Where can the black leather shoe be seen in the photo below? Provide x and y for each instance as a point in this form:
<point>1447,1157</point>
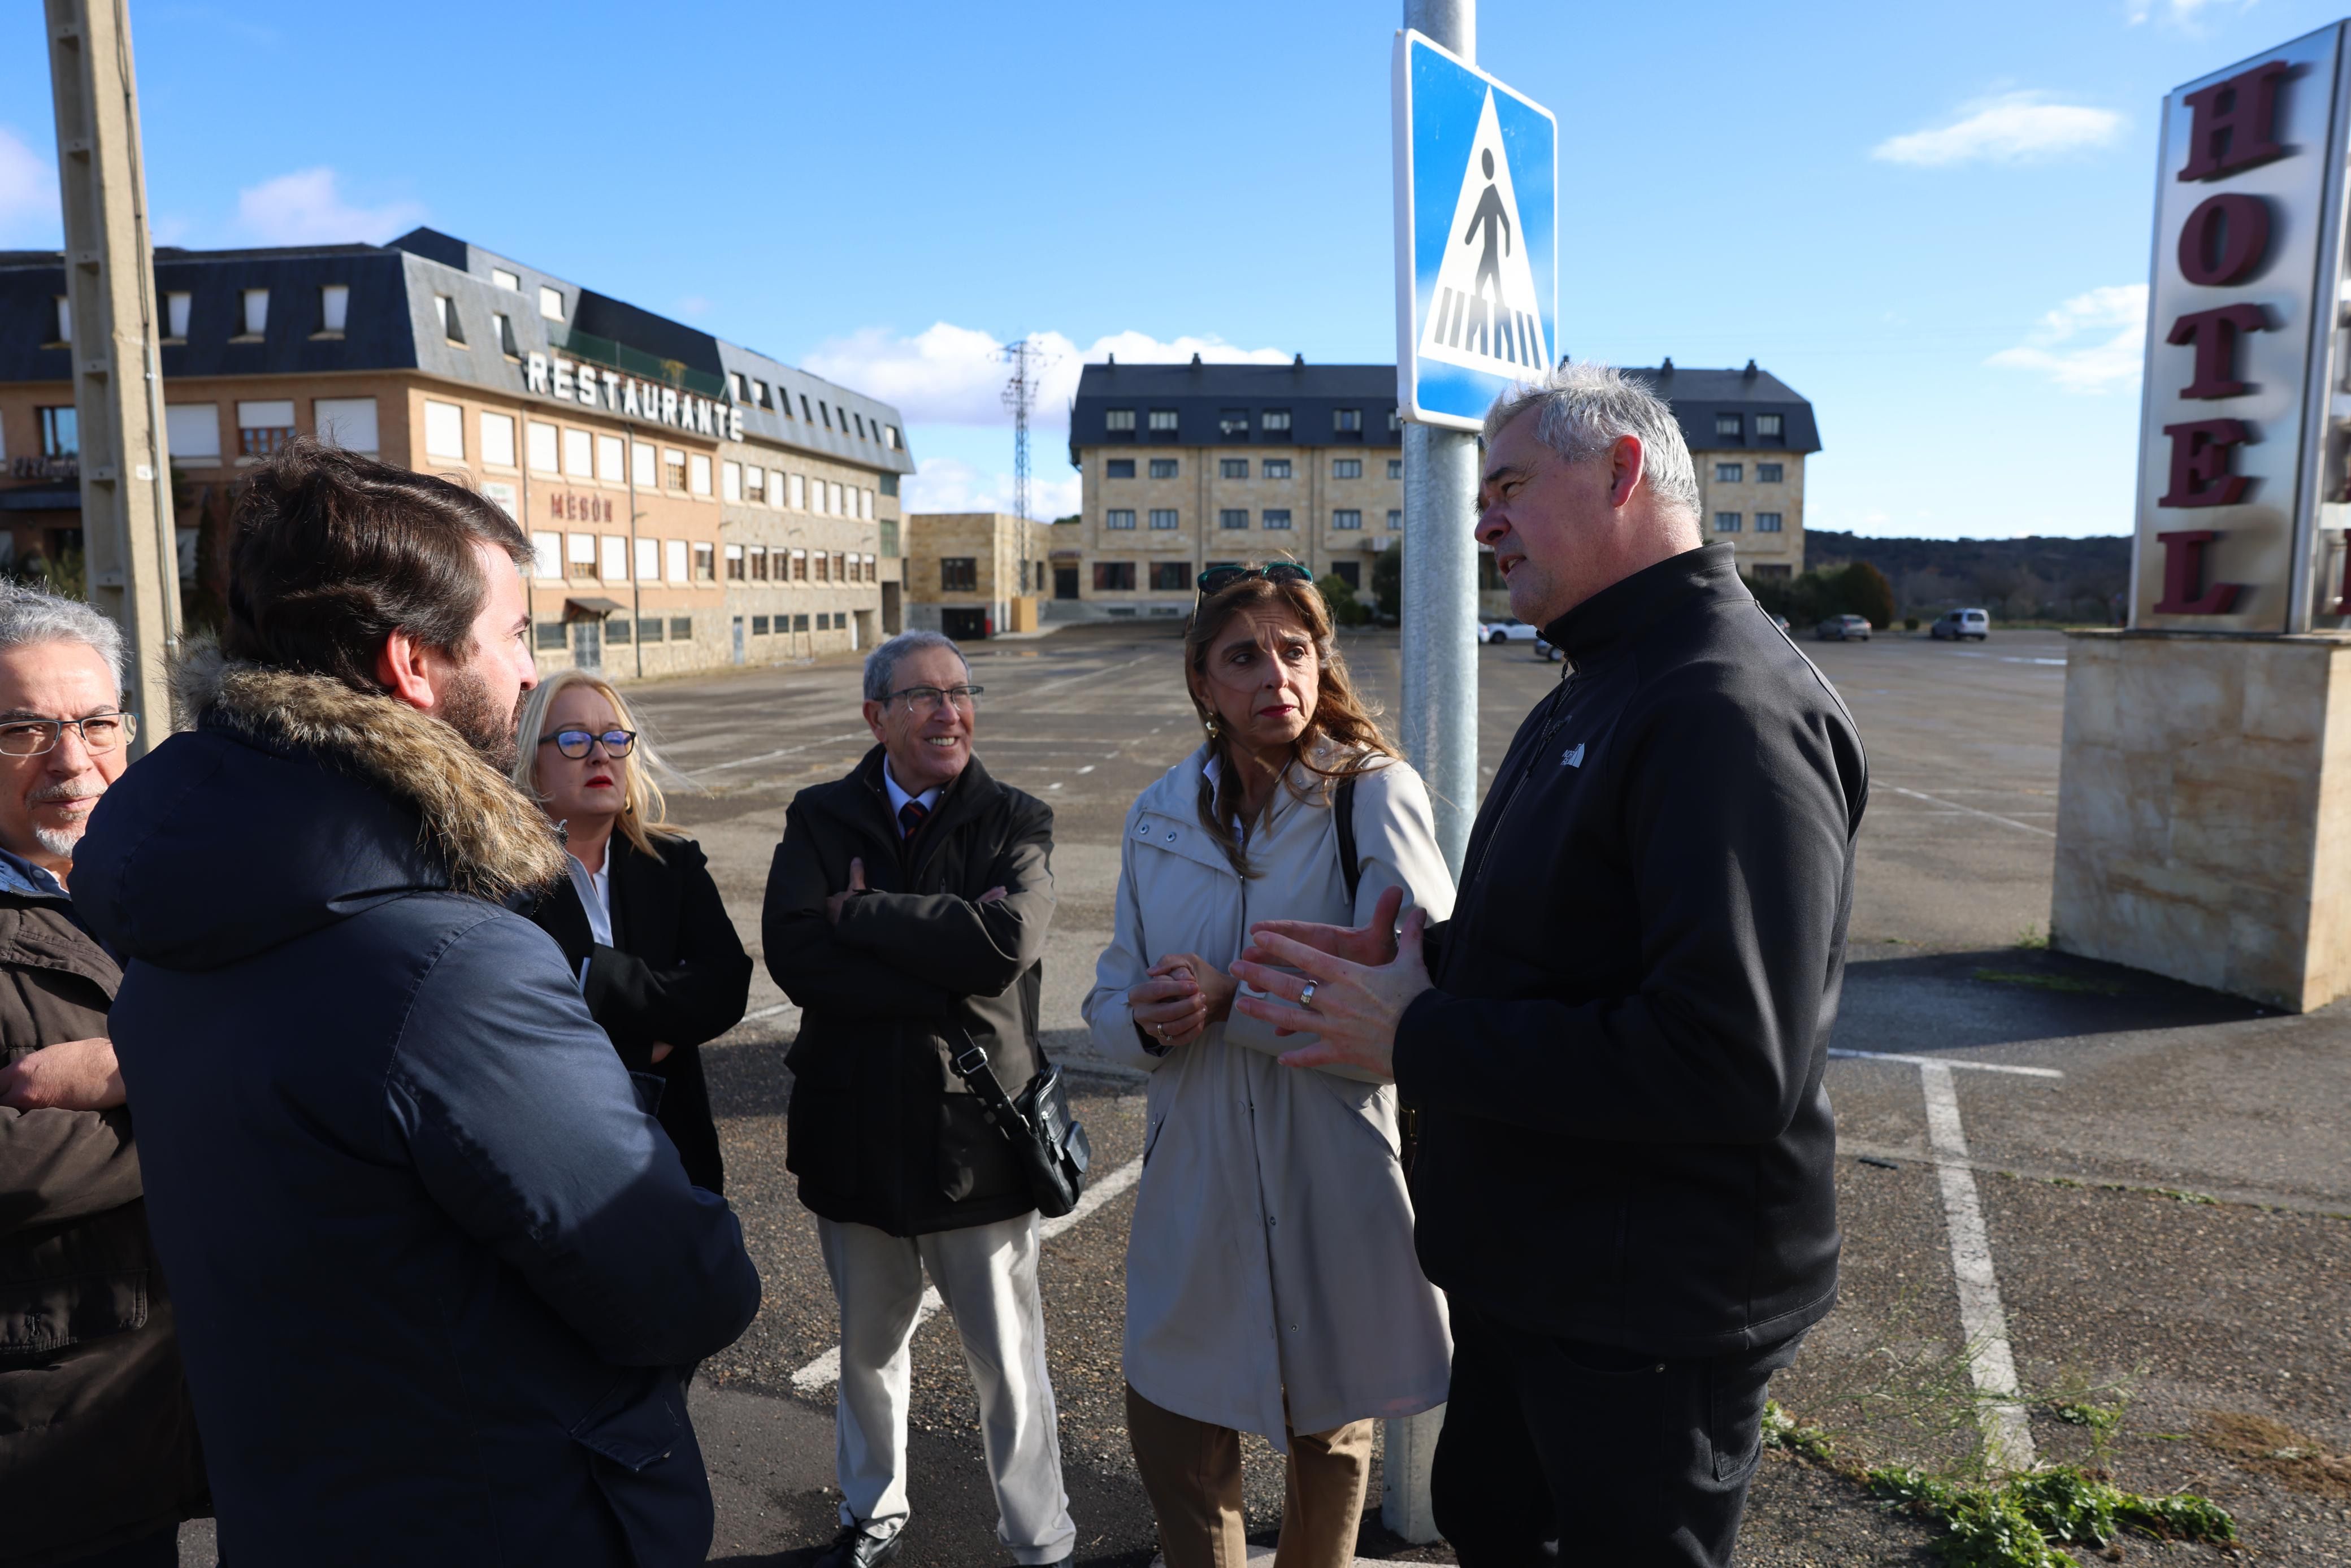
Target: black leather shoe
<point>852,1548</point>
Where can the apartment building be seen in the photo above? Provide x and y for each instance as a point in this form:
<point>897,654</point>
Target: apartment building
<point>974,574</point>
<point>1186,466</point>
<point>1748,432</point>
<point>690,504</point>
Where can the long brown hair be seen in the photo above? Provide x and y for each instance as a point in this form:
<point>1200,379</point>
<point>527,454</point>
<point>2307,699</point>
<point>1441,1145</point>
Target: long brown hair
<point>1341,738</point>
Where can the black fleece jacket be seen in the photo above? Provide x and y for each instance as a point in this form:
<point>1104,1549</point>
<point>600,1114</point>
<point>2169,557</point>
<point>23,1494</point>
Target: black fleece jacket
<point>1625,1138</point>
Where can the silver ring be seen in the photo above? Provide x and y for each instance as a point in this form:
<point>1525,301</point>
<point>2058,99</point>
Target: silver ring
<point>1306,997</point>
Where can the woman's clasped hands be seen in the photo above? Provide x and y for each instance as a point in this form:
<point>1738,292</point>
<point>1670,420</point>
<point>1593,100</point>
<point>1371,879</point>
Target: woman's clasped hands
<point>1185,995</point>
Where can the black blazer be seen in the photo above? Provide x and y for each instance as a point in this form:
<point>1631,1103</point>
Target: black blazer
<point>676,972</point>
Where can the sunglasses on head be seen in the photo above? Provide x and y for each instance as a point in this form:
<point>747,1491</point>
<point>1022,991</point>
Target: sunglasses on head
<point>1217,579</point>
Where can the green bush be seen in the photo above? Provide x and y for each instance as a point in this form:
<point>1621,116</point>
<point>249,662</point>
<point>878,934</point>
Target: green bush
<point>1340,595</point>
<point>1910,624</point>
<point>1859,588</point>
<point>1387,581</point>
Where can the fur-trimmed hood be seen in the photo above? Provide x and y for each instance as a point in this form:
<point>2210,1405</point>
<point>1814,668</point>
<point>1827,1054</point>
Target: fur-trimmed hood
<point>292,803</point>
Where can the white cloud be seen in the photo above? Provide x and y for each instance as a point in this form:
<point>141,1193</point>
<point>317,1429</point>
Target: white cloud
<point>2181,14</point>
<point>2013,128</point>
<point>2096,366</point>
<point>306,208</point>
<point>951,485</point>
<point>948,374</point>
<point>28,195</point>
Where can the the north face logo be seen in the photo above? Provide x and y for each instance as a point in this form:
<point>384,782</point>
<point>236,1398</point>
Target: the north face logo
<point>1573,757</point>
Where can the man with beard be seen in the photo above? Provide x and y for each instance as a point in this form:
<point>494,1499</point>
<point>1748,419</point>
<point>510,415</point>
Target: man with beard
<point>437,1266</point>
<point>98,1445</point>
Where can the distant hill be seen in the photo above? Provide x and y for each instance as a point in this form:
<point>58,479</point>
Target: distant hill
<point>2034,578</point>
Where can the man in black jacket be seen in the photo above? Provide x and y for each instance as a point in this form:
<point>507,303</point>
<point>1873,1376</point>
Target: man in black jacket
<point>907,909</point>
<point>1625,1179</point>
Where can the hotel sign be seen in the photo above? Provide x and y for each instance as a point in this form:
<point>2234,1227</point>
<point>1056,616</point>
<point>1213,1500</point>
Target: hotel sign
<point>2246,411</point>
<point>609,392</point>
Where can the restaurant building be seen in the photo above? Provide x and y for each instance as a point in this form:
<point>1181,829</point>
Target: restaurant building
<point>690,504</point>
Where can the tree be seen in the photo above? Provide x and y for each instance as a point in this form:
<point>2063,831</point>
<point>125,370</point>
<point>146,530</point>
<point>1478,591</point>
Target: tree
<point>1340,595</point>
<point>1387,582</point>
<point>1861,589</point>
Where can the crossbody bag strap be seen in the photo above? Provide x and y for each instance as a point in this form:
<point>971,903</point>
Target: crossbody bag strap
<point>1343,810</point>
<point>969,1060</point>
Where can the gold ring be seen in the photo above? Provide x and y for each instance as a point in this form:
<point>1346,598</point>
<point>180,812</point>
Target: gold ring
<point>1306,997</point>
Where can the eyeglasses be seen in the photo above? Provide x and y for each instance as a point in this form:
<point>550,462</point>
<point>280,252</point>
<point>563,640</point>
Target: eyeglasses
<point>926,699</point>
<point>574,742</point>
<point>33,737</point>
<point>1217,579</point>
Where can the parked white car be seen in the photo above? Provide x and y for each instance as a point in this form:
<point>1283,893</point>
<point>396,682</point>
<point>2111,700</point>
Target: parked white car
<point>1508,629</point>
<point>1957,623</point>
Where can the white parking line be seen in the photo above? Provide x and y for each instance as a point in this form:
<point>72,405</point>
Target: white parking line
<point>1942,1061</point>
<point>1991,1363</point>
<point>1970,810</point>
<point>825,1370</point>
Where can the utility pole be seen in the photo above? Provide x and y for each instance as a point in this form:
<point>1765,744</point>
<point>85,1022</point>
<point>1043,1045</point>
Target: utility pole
<point>129,546</point>
<point>1028,363</point>
<point>1439,718</point>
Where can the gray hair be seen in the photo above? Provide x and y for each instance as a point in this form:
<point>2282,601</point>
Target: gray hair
<point>882,664</point>
<point>1582,409</point>
<point>30,616</point>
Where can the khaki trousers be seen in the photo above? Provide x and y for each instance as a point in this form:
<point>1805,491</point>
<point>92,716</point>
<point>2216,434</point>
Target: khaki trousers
<point>1192,1471</point>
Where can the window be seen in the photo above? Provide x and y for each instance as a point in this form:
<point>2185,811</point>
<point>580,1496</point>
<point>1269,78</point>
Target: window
<point>755,557</point>
<point>800,494</point>
<point>64,320</point>
<point>894,437</point>
<point>958,574</point>
<point>1163,468</point>
<point>734,563</point>
<point>580,453</point>
<point>839,567</point>
<point>758,392</point>
<point>730,481</point>
<point>799,566</point>
<point>1116,518</point>
<point>444,310</point>
<point>1163,420</point>
<point>497,438</point>
<point>1346,468</point>
<point>542,439</point>
<point>699,468</point>
<point>1770,473</point>
<point>1395,468</point>
<point>1731,424</point>
<point>1769,426</point>
<point>823,621</point>
<point>1347,520</point>
<point>502,334</point>
<point>264,428</point>
<point>616,629</point>
<point>1767,522</point>
<point>1118,468</point>
<point>548,635</point>
<point>648,628</point>
<point>503,495</point>
<point>615,567</point>
<point>506,280</point>
<point>547,556</point>
<point>672,470</point>
<point>642,468</point>
<point>734,384</point>
<point>1232,468</point>
<point>192,429</point>
<point>681,627</point>
<point>706,565</point>
<point>607,460</point>
<point>1347,421</point>
<point>674,560</point>
<point>1232,423</point>
<point>1396,420</point>
<point>824,412</point>
<point>1729,473</point>
<point>755,483</point>
<point>61,433</point>
<point>1350,573</point>
<point>649,561</point>
<point>1274,422</point>
<point>550,302</point>
<point>1119,418</point>
<point>865,505</point>
<point>1232,518</point>
<point>334,307</point>
<point>176,309</point>
<point>823,567</point>
<point>1277,467</point>
<point>349,422</point>
<point>759,625</point>
<point>1162,517</point>
<point>1726,522</point>
<point>1396,520</point>
<point>805,413</point>
<point>257,312</point>
<point>832,496</point>
<point>1113,577</point>
<point>1170,576</point>
<point>579,554</point>
<point>858,420</point>
<point>1278,519</point>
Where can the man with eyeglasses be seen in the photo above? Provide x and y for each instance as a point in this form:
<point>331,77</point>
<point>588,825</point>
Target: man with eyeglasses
<point>98,1442</point>
<point>907,909</point>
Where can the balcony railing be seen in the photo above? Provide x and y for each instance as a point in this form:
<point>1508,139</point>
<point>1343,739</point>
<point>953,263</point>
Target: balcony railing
<point>636,361</point>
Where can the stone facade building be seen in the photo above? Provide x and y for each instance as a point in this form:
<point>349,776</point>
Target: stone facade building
<point>974,574</point>
<point>690,504</point>
<point>1749,433</point>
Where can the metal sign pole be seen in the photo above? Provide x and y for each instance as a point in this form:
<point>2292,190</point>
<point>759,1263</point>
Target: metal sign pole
<point>1440,706</point>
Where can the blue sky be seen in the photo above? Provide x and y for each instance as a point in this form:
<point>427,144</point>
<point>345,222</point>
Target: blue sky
<point>1931,220</point>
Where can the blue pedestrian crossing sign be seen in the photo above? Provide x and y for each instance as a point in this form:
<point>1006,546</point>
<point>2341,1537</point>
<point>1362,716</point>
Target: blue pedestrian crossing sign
<point>1477,169</point>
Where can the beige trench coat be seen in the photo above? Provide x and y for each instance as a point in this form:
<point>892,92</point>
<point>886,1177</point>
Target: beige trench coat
<point>1271,1249</point>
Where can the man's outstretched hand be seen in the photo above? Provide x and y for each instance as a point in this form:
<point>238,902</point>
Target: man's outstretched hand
<point>1356,1007</point>
<point>1373,942</point>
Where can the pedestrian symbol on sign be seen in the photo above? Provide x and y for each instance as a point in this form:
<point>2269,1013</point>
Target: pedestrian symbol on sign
<point>1485,314</point>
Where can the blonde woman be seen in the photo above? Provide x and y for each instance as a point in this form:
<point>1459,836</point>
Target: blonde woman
<point>640,920</point>
<point>1271,1281</point>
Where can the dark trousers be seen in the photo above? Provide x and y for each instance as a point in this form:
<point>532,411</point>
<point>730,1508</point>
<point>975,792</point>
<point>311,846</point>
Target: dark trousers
<point>1627,1459</point>
<point>161,1549</point>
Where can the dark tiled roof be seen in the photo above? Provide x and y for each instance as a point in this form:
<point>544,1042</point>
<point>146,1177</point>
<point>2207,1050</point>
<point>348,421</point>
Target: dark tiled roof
<point>1702,398</point>
<point>1202,395</point>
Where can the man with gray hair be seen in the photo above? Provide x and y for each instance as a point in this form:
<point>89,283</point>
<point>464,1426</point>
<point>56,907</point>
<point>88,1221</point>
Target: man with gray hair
<point>1626,1176</point>
<point>98,1441</point>
<point>906,913</point>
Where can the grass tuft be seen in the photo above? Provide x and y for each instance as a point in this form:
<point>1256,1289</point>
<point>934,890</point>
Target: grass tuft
<point>2048,982</point>
<point>2025,1520</point>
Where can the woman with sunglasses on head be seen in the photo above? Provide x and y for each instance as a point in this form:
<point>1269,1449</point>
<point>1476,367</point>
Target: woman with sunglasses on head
<point>1270,1280</point>
<point>640,920</point>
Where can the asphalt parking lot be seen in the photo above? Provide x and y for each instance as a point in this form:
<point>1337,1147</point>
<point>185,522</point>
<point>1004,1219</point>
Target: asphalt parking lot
<point>2161,1198</point>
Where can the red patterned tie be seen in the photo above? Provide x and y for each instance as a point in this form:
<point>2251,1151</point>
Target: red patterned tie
<point>910,818</point>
